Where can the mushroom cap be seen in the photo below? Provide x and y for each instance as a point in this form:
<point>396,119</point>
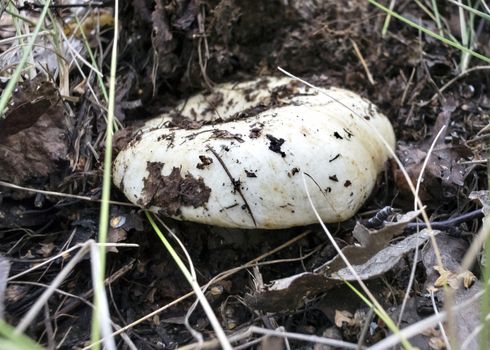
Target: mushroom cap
<point>246,170</point>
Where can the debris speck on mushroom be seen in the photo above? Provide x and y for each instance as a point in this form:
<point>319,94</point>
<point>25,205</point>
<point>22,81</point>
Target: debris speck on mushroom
<point>204,172</point>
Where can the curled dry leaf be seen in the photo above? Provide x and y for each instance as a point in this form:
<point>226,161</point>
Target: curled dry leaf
<point>452,251</point>
<point>452,279</point>
<point>33,135</point>
<point>482,197</point>
<point>385,259</point>
<point>343,316</point>
<point>371,242</point>
<point>289,293</point>
<point>245,170</point>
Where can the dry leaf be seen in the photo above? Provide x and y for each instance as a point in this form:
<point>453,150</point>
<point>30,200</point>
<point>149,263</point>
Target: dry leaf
<point>343,316</point>
<point>444,276</point>
<point>453,280</point>
<point>33,135</point>
<point>437,343</point>
<point>115,235</point>
<point>371,240</point>
<point>468,278</point>
<point>46,249</point>
<point>385,259</point>
<point>290,292</point>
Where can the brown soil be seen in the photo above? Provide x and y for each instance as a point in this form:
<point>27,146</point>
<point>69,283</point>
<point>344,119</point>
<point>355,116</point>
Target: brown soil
<point>171,49</point>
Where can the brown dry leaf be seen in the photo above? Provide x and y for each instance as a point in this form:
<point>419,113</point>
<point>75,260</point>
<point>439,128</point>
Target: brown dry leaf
<point>482,197</point>
<point>33,136</point>
<point>46,249</point>
<point>290,292</point>
<point>452,279</point>
<point>452,251</point>
<point>431,332</point>
<point>444,276</point>
<point>371,240</point>
<point>385,259</point>
<point>437,343</point>
<point>29,101</point>
<point>468,278</point>
<point>115,235</point>
<point>16,292</point>
<point>89,24</point>
<point>443,175</point>
<point>343,316</point>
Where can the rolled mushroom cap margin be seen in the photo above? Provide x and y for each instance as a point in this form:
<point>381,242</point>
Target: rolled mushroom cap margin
<point>247,173</point>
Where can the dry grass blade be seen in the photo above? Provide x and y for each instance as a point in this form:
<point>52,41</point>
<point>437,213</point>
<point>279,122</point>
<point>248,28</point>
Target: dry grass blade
<point>101,305</point>
<point>441,327</point>
<point>378,308</point>
<point>276,333</point>
<point>217,278</point>
<point>395,157</point>
<point>415,205</point>
<point>60,194</point>
<point>420,326</point>
<point>363,62</point>
<point>39,304</point>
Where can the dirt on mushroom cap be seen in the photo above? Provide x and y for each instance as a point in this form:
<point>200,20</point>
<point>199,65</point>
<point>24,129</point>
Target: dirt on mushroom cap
<point>332,143</point>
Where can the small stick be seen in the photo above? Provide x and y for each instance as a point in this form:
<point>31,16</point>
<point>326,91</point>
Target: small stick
<point>235,183</point>
<point>363,62</point>
<point>449,223</point>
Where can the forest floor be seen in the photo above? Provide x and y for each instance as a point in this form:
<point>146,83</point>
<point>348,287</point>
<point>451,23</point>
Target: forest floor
<point>52,139</point>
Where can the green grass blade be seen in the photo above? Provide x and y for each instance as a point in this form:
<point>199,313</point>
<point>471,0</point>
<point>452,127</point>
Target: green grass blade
<point>15,341</point>
<point>106,184</point>
<point>485,301</point>
<point>473,10</point>
<point>382,315</point>
<point>430,33</point>
<point>7,93</point>
<point>435,8</point>
<point>225,344</point>
<point>387,20</point>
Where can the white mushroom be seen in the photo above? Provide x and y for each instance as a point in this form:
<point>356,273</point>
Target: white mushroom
<point>245,170</point>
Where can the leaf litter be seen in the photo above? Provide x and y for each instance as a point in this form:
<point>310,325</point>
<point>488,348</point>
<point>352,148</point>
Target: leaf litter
<point>173,49</point>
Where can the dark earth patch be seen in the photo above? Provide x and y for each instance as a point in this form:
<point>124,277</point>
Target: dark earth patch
<point>168,50</point>
<point>275,145</point>
<point>171,192</point>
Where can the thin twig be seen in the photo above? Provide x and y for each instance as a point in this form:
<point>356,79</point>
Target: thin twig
<point>452,81</point>
<point>60,194</point>
<point>235,183</point>
<point>217,278</point>
<point>64,254</point>
<point>363,62</point>
<point>280,334</point>
<point>38,305</point>
<point>449,223</point>
<point>391,152</point>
